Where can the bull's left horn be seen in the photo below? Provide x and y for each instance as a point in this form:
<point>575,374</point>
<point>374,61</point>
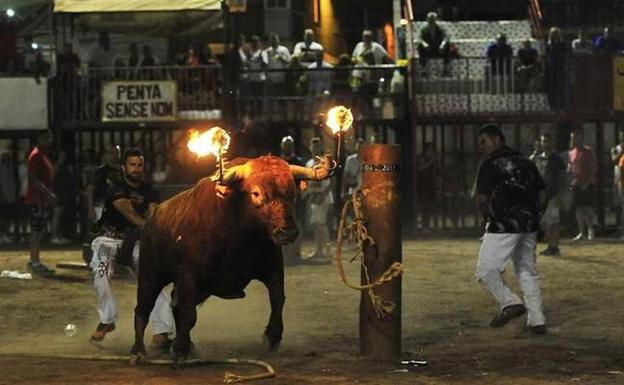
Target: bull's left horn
<point>323,170</point>
<point>236,173</point>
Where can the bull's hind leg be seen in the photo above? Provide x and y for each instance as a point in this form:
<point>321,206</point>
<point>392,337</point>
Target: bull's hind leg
<point>275,285</point>
<point>146,298</point>
<point>185,315</point>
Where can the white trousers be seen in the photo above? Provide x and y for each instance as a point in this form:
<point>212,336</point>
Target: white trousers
<point>105,250</point>
<point>494,255</point>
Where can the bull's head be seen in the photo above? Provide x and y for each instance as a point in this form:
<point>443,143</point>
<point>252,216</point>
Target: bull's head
<point>268,185</point>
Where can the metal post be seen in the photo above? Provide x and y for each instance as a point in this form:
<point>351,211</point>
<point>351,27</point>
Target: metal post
<point>381,337</point>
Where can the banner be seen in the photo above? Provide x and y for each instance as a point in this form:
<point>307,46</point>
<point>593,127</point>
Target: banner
<point>618,83</point>
<point>15,113</point>
<point>139,101</point>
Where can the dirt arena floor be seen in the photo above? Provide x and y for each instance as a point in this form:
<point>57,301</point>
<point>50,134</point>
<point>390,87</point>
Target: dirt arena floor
<point>445,322</point>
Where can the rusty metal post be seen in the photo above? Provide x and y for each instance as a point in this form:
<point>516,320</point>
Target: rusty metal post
<point>381,337</point>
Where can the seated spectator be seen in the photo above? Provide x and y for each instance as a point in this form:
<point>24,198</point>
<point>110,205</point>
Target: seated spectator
<point>500,53</point>
<point>607,43</point>
<point>582,45</point>
<point>148,60</point>
<point>8,44</point>
<point>380,56</point>
<point>433,42</point>
<point>306,49</point>
<point>257,77</point>
<point>527,70</point>
<point>133,60</point>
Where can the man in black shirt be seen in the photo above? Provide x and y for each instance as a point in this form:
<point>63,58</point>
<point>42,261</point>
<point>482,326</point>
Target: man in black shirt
<point>129,203</point>
<point>511,197</point>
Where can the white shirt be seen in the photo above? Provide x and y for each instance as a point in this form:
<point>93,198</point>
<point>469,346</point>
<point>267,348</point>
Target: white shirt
<point>254,62</point>
<point>581,46</point>
<point>353,172</point>
<point>307,53</point>
<point>379,52</point>
<point>276,58</point>
<point>319,81</point>
<point>320,188</point>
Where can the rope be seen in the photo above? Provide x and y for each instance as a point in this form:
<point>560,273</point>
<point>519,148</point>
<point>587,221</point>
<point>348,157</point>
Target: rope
<point>229,377</point>
<point>357,231</point>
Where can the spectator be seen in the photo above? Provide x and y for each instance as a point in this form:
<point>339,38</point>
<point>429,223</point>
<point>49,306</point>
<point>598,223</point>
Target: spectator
<point>433,43</point>
<point>582,167</point>
<point>352,176</point>
<point>380,56</point>
<point>538,149</point>
<point>40,198</point>
<point>22,180</point>
<point>555,69</point>
<point>128,204</point>
<point>319,199</point>
<point>428,166</point>
<point>307,49</point>
<point>8,44</point>
<point>292,252</point>
<point>65,192</point>
<point>581,45</point>
<point>455,186</point>
<point>511,197</point>
<point>102,55</point>
<point>295,86</point>
<point>147,62</point>
<point>500,53</point>
<point>160,171</point>
<point>552,169</point>
<point>616,154</point>
<point>29,55</point>
<point>133,60</point>
<point>257,77</point>
<point>607,43</point>
<point>342,77</point>
<point>319,81</point>
<point>620,190</point>
<point>103,178</point>
<point>8,192</point>
<point>528,67</point>
<point>276,57</point>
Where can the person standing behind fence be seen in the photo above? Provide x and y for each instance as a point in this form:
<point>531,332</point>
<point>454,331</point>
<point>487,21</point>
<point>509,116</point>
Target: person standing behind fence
<point>292,252</point>
<point>8,192</point>
<point>553,172</point>
<point>276,57</point>
<point>64,188</point>
<point>555,69</point>
<point>428,166</point>
<point>511,196</point>
<point>616,154</point>
<point>103,178</point>
<point>582,167</point>
<point>620,190</point>
<point>306,50</point>
<point>39,200</point>
<point>257,77</point>
<point>319,199</point>
<point>352,176</point>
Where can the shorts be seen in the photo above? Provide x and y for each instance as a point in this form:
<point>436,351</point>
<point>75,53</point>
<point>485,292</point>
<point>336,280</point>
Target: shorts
<point>584,198</point>
<point>551,215</point>
<point>38,215</point>
<point>318,213</point>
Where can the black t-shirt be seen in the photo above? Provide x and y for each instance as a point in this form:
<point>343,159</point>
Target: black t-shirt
<point>103,179</point>
<point>512,183</point>
<point>141,197</point>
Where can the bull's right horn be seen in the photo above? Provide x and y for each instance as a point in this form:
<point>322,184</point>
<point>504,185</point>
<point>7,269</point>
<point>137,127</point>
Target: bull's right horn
<point>321,171</point>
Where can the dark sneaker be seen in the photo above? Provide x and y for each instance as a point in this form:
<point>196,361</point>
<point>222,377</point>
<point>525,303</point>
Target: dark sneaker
<point>538,329</point>
<point>101,330</point>
<point>39,269</point>
<point>551,251</point>
<point>507,314</point>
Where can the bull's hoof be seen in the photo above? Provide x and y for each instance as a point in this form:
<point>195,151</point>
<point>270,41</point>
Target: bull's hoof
<point>272,343</point>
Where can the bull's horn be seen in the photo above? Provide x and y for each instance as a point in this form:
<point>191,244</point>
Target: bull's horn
<point>321,171</point>
<point>236,173</point>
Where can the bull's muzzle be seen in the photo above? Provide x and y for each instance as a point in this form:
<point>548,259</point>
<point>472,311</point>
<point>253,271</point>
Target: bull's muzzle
<point>286,235</point>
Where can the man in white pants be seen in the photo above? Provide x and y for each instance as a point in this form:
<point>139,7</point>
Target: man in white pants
<point>129,203</point>
<point>511,197</point>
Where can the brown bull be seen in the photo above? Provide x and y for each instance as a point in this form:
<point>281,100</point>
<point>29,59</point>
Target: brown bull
<point>214,239</point>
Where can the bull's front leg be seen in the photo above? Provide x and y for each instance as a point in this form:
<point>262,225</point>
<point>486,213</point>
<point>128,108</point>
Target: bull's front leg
<point>185,314</point>
<point>275,285</point>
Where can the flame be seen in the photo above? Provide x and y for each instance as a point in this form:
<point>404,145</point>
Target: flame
<point>339,119</point>
<point>209,142</point>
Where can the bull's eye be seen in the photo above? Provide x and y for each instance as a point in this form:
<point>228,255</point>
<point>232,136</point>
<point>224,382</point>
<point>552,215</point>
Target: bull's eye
<point>257,198</point>
<point>256,194</point>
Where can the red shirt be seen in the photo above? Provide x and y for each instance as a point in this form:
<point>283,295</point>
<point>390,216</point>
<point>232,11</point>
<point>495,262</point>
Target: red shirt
<point>583,165</point>
<point>39,165</point>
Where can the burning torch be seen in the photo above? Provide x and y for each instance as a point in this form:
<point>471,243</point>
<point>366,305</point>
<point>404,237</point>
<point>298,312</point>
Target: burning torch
<point>215,141</point>
<point>339,120</point>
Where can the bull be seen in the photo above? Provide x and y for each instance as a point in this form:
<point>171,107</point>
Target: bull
<point>214,238</point>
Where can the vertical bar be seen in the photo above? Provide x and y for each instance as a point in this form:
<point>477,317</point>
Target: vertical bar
<point>381,337</point>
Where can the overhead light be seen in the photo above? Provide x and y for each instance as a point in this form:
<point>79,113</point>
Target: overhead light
<point>34,46</point>
<point>10,12</point>
<point>403,22</point>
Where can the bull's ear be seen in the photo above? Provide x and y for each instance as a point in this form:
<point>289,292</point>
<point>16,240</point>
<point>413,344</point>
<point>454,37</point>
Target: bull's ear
<point>234,174</point>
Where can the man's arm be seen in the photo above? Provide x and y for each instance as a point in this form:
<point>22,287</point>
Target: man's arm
<point>124,206</point>
<point>39,185</point>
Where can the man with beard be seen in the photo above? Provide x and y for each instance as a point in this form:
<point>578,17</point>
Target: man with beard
<point>511,196</point>
<point>129,203</point>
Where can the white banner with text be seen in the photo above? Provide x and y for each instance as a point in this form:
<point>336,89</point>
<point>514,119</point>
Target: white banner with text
<point>139,101</point>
